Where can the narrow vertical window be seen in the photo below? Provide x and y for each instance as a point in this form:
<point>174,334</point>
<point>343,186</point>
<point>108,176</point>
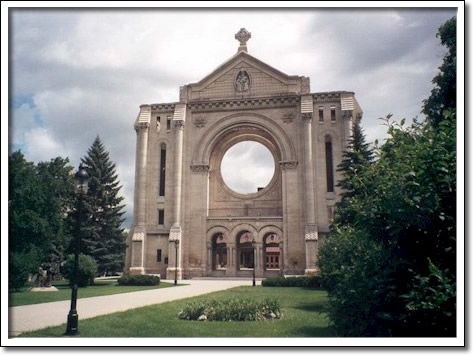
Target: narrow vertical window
<point>166,261</point>
<point>158,255</point>
<point>321,113</point>
<point>329,164</point>
<point>158,124</point>
<point>162,170</point>
<point>332,113</point>
<point>168,123</point>
<point>161,217</point>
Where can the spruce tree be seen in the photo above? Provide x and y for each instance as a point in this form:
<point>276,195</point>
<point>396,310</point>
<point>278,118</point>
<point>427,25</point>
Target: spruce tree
<point>103,234</point>
<point>355,159</point>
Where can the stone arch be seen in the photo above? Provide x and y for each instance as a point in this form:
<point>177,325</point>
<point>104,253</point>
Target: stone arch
<point>217,229</point>
<point>232,123</point>
<point>328,132</point>
<point>160,141</point>
<point>271,250</point>
<point>236,230</point>
<point>217,248</point>
<point>245,253</point>
<point>269,229</point>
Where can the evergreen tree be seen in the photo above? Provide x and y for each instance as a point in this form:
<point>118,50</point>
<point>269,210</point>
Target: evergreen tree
<point>355,159</point>
<point>103,234</point>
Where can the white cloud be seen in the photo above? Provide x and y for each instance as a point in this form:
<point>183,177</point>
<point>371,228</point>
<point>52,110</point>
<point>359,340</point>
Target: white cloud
<point>41,146</point>
<point>21,120</point>
<point>246,166</point>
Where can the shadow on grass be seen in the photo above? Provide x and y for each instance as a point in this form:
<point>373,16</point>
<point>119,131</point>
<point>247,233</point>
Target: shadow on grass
<point>314,332</point>
<point>318,307</point>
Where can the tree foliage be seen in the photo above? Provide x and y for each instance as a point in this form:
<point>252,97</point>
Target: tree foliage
<point>443,95</point>
<point>389,262</point>
<point>86,272</point>
<point>39,196</point>
<point>102,234</point>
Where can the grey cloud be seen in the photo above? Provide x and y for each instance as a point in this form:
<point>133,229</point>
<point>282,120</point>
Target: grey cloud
<point>108,63</point>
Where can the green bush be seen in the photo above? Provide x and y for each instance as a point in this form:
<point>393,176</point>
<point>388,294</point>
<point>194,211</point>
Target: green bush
<point>87,270</point>
<point>236,309</point>
<point>293,281</point>
<point>138,280</point>
<point>20,266</point>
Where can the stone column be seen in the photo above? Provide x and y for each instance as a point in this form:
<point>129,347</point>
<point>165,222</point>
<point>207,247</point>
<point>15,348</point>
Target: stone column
<point>138,235</point>
<point>209,258</point>
<point>259,270</point>
<point>176,229</point>
<point>310,235</point>
<point>281,258</point>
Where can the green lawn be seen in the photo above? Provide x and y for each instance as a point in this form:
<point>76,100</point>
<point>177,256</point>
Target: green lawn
<point>101,288</point>
<point>303,309</point>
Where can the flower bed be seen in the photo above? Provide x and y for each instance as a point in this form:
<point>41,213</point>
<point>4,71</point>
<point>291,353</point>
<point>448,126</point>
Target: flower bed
<point>236,309</point>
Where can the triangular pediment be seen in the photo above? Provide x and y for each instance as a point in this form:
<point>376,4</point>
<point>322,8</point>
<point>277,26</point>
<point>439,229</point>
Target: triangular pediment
<point>245,76</point>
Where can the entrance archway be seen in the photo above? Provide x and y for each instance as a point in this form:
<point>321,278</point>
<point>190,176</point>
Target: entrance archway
<point>219,252</point>
<point>245,251</point>
<point>271,251</point>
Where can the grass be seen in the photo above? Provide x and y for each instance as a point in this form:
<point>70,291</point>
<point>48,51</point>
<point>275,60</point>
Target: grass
<point>303,309</point>
<point>101,288</point>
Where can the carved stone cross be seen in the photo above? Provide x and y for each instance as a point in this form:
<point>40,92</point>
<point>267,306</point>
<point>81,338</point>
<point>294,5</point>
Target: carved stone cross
<point>242,36</point>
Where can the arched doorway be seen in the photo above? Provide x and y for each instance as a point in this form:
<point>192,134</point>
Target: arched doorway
<point>271,252</point>
<point>245,251</point>
<point>219,252</point>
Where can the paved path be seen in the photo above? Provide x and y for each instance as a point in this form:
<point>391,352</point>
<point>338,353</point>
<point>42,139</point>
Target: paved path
<point>38,316</point>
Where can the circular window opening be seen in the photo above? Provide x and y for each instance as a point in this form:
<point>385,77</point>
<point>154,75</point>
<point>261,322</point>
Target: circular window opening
<point>247,167</point>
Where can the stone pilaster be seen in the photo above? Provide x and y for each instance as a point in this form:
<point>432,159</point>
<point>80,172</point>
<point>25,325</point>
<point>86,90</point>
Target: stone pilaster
<point>176,229</point>
<point>311,218</point>
<point>347,128</point>
<point>286,168</point>
<point>138,231</point>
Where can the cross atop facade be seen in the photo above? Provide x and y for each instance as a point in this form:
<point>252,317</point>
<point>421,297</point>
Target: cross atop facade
<point>242,36</point>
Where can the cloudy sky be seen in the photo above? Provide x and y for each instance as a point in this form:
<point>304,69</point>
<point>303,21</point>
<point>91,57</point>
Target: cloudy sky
<point>76,74</point>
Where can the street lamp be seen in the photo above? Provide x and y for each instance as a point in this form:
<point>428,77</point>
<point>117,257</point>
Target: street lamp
<point>81,179</point>
<point>176,244</point>
<point>253,244</point>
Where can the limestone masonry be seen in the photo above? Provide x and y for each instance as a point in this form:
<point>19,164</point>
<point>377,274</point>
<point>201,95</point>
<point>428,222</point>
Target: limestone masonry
<point>182,205</point>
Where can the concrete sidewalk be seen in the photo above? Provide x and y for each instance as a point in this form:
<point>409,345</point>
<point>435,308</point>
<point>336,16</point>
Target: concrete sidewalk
<point>43,315</point>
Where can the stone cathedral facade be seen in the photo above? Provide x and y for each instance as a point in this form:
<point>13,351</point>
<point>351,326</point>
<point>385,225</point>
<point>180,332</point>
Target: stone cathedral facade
<point>186,217</point>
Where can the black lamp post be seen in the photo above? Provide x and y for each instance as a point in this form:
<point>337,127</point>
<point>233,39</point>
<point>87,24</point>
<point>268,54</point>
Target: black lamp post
<point>176,244</point>
<point>253,244</point>
<point>81,179</point>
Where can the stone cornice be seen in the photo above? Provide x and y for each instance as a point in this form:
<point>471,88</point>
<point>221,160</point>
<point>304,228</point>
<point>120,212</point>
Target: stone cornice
<point>200,168</point>
<point>307,116</point>
<point>163,107</point>
<point>179,124</point>
<point>249,103</point>
<point>141,126</point>
<point>288,165</point>
<point>244,104</point>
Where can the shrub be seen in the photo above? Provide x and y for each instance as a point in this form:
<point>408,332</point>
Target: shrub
<point>294,281</point>
<point>236,309</point>
<point>87,270</point>
<point>138,280</point>
<point>20,266</point>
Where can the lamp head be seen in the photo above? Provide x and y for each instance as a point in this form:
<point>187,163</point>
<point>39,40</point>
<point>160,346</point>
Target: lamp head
<point>82,179</point>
